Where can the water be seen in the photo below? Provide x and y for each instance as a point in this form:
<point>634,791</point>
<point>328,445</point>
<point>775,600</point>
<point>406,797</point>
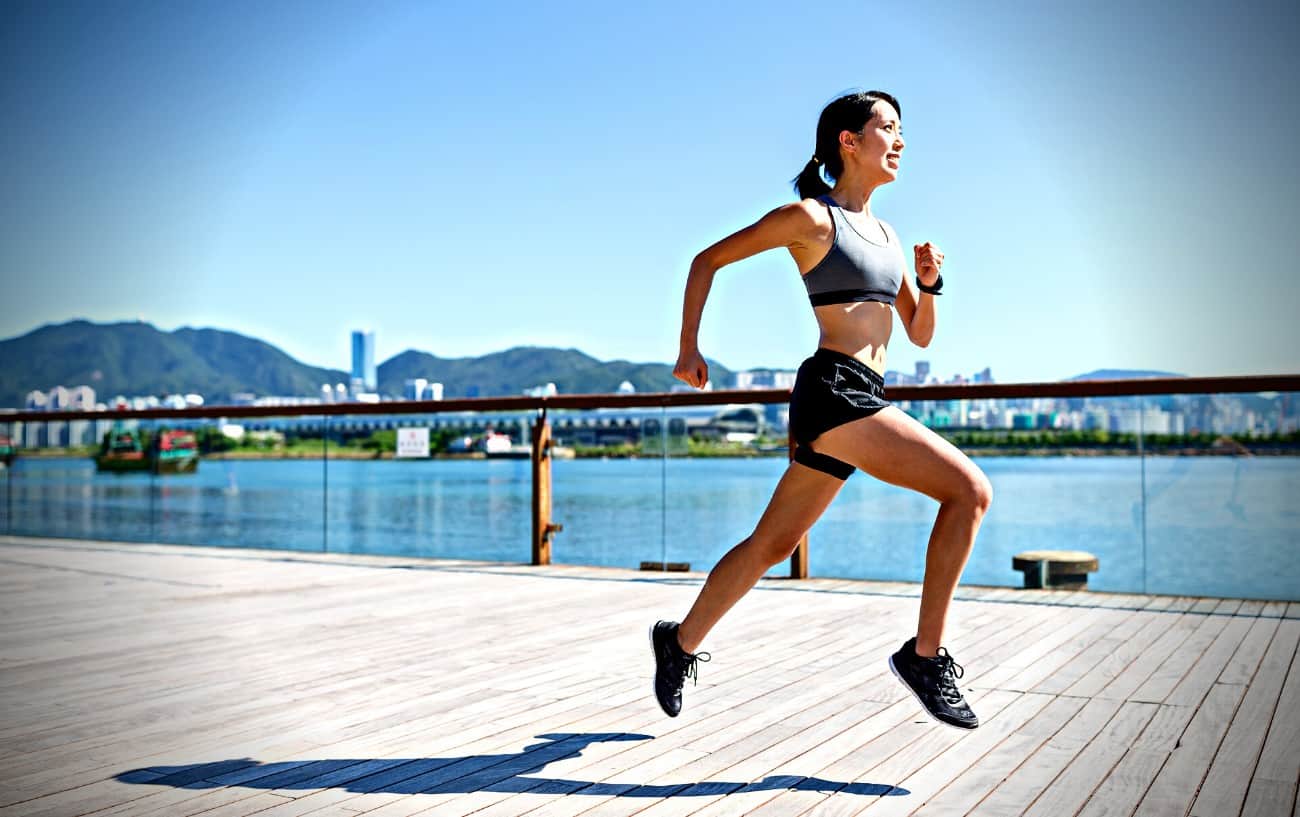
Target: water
<point>1214,526</point>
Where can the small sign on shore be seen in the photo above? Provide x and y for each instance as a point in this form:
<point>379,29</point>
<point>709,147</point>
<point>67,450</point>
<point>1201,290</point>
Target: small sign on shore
<point>413,442</point>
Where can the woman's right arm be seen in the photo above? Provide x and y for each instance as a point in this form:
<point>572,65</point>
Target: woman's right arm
<point>787,226</point>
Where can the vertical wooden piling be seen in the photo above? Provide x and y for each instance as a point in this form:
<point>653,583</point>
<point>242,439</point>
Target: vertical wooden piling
<point>798,559</point>
<point>542,529</point>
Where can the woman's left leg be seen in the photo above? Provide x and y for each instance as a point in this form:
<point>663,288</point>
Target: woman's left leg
<point>801,496</point>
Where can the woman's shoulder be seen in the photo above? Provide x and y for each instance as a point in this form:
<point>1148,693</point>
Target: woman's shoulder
<point>805,214</point>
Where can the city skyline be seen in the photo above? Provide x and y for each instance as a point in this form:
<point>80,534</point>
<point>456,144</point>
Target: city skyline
<point>362,365</point>
<point>1111,198</point>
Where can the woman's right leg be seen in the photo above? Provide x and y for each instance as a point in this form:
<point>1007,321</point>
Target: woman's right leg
<point>894,447</point>
<point>799,499</point>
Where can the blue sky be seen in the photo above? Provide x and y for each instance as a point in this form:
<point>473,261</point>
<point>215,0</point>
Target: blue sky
<point>1113,184</point>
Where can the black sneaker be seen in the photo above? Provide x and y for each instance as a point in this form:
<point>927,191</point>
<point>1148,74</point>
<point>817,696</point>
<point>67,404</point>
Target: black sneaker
<point>933,682</point>
<point>672,665</point>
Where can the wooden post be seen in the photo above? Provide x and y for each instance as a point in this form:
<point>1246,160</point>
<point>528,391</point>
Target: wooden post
<point>798,559</point>
<point>542,527</point>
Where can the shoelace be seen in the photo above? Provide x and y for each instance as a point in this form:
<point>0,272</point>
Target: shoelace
<point>949,672</point>
<point>688,668</point>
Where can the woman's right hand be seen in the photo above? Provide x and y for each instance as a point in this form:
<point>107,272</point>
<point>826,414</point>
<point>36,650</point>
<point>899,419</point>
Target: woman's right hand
<point>691,368</point>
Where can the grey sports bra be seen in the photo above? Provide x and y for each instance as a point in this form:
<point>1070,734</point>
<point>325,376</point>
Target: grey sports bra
<point>855,269</point>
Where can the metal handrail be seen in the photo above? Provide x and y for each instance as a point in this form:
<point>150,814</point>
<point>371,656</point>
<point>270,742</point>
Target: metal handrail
<point>970,391</point>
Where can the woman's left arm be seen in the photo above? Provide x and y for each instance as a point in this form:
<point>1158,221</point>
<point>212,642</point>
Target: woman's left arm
<point>916,308</point>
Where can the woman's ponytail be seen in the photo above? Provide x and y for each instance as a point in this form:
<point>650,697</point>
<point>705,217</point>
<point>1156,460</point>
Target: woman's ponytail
<point>809,184</point>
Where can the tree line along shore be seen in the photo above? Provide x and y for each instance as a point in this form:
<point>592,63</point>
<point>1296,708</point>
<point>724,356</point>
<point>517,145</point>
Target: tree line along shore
<point>383,445</point>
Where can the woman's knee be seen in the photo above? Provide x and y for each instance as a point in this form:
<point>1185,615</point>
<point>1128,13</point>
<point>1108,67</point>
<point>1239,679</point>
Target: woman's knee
<point>974,491</point>
<point>980,491</point>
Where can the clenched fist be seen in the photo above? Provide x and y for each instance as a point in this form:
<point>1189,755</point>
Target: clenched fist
<point>691,368</point>
<point>929,261</point>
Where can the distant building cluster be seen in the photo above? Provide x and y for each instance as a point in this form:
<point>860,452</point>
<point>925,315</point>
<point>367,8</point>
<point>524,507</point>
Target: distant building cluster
<point>362,385</point>
<point>419,388</point>
<point>56,434</point>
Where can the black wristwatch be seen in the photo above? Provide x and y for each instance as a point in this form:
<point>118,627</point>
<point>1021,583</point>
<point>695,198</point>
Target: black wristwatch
<point>936,289</point>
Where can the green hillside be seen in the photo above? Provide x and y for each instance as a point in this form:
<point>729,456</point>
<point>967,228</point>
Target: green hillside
<point>136,358</point>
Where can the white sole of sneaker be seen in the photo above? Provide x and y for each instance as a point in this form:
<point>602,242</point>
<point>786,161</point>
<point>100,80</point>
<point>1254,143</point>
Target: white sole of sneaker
<point>921,703</point>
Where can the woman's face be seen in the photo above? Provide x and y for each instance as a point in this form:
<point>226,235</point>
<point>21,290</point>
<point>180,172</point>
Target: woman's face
<point>878,147</point>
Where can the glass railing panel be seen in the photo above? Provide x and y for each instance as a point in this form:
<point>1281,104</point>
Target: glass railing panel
<point>258,483</point>
<point>470,499</point>
<point>58,488</point>
<point>724,464</point>
<point>1062,477</point>
<point>1222,474</point>
<point>607,486</point>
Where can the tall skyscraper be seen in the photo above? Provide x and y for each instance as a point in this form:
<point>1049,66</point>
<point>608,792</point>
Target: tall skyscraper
<point>363,360</point>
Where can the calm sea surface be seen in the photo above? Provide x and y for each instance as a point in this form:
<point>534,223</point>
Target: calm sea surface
<point>1193,526</point>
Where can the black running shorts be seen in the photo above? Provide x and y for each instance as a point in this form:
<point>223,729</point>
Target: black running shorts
<point>830,389</point>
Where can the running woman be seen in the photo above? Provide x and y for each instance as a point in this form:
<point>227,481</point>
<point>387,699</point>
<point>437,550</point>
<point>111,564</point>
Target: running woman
<point>853,267</point>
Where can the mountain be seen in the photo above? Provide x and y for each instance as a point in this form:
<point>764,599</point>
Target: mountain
<point>512,371</point>
<point>134,358</point>
<point>137,358</point>
<point>1122,374</point>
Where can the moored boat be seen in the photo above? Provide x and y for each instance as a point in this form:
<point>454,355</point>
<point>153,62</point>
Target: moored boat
<point>169,452</point>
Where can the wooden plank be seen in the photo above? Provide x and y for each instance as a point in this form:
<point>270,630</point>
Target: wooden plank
<point>1180,778</point>
<point>1121,685</point>
<point>954,763</point>
<point>1198,680</point>
<point>1172,670</point>
<point>1205,605</point>
<point>1123,787</point>
<point>1063,678</point>
<point>1151,643</point>
<point>1224,791</point>
<point>1250,607</point>
<point>1245,659</point>
<point>961,794</point>
<point>1273,609</point>
<point>1036,772</point>
<point>1227,607</point>
<point>1067,793</point>
<point>1273,785</point>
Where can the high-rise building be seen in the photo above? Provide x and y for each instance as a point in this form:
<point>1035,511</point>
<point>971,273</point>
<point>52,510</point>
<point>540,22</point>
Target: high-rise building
<point>922,371</point>
<point>415,388</point>
<point>363,360</point>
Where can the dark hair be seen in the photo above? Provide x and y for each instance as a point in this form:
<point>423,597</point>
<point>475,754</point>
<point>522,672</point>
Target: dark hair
<point>848,113</point>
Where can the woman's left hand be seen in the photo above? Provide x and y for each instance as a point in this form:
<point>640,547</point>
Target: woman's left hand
<point>929,262</point>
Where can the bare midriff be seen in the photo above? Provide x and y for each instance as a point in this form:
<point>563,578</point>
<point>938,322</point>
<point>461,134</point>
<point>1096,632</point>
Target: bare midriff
<point>859,329</point>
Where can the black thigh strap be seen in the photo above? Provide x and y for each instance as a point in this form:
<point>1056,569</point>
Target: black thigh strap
<point>821,462</point>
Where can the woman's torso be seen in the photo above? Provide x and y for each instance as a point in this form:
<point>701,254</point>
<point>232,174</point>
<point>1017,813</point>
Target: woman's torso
<point>859,328</point>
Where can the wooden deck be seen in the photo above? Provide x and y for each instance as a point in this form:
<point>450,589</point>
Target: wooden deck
<point>163,680</point>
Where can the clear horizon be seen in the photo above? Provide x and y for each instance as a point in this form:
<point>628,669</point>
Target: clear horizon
<point>1113,184</point>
